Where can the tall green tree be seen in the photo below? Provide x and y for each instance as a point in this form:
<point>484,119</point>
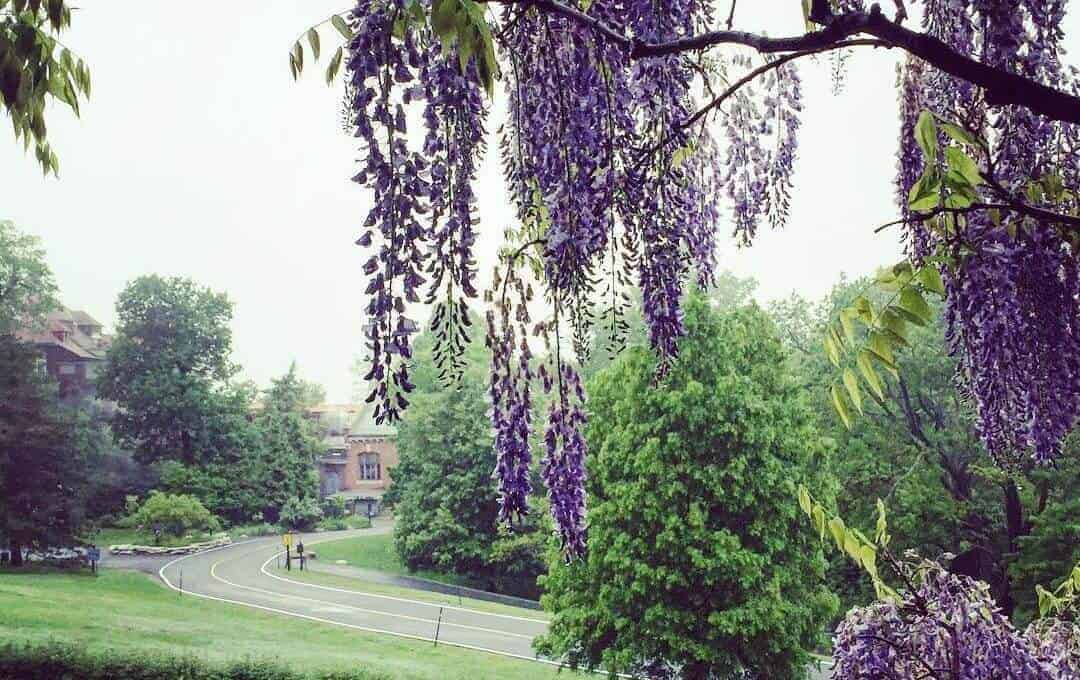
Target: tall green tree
<point>916,448</point>
<point>289,442</point>
<point>697,562</point>
<point>166,365</point>
<point>43,454</point>
<point>27,287</point>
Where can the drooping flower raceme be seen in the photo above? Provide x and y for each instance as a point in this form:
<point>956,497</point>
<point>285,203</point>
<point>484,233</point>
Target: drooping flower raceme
<point>949,627</point>
<point>1013,301</point>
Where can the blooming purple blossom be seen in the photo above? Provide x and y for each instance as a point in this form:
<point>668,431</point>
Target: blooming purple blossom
<point>949,627</point>
<point>1012,311</point>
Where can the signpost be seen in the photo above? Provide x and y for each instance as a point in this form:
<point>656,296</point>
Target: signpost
<point>287,541</point>
<point>94,555</point>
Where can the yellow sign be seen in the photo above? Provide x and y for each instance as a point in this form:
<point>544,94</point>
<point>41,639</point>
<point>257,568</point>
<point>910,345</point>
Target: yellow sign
<point>286,540</point>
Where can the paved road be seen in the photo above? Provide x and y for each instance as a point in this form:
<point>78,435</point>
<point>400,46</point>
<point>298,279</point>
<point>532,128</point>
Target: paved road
<point>243,574</point>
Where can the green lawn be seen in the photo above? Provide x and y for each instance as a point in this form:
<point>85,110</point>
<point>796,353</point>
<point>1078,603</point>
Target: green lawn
<point>127,611</point>
<point>361,586</point>
<point>375,552</point>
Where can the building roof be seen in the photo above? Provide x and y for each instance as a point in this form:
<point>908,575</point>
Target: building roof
<point>61,329</point>
<point>364,425</point>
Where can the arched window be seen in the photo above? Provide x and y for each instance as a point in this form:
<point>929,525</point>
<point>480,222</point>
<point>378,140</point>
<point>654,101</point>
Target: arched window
<point>369,466</point>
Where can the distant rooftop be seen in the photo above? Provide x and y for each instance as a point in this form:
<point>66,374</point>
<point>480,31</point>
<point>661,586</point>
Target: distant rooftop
<point>73,330</point>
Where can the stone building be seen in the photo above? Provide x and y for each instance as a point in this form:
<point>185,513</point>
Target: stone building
<point>358,455</point>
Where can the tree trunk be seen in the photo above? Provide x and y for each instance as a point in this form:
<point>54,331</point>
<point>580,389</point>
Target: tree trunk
<point>16,554</point>
<point>1014,524</point>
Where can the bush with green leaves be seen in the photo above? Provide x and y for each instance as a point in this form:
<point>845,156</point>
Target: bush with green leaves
<point>174,515</point>
<point>301,514</point>
<point>333,507</point>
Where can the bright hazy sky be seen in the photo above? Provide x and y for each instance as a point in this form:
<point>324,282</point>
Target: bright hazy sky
<point>198,156</point>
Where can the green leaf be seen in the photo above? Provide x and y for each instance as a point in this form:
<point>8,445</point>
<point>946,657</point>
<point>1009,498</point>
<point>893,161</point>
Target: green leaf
<point>819,520</point>
<point>804,500</point>
<point>342,26</point>
<point>852,385</point>
<point>926,136</point>
<point>313,38</point>
<point>333,66</point>
<point>882,349</point>
<point>870,374</point>
<point>838,531</point>
<point>864,309</point>
<point>959,134</point>
<point>840,406</point>
<point>930,278</point>
<point>831,350</point>
<point>963,166</point>
<point>925,194</point>
<point>868,559</point>
<point>882,527</point>
<point>444,18</point>
<point>846,320</point>
<point>911,300</point>
<point>298,56</point>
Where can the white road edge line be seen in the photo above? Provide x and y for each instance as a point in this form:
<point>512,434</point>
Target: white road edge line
<point>389,597</point>
<point>161,575</point>
<point>214,575</point>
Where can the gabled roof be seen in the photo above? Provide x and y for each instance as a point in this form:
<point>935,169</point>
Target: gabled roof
<point>61,329</point>
<point>364,425</point>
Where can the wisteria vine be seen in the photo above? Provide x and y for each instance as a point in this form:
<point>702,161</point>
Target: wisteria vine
<point>615,178</point>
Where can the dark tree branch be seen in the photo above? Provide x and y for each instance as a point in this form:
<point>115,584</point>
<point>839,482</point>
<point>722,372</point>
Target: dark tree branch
<point>1000,88</point>
<point>1070,221</point>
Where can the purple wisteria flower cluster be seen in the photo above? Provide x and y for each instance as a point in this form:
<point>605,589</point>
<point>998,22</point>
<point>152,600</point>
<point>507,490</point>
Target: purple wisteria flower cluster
<point>1012,294</point>
<point>511,395</point>
<point>421,228</point>
<point>950,627</point>
<point>610,171</point>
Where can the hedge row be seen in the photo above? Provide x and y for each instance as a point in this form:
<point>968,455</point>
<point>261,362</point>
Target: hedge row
<point>36,661</point>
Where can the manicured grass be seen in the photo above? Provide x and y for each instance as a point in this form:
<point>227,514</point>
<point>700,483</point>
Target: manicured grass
<point>376,552</point>
<point>362,586</point>
<point>127,611</point>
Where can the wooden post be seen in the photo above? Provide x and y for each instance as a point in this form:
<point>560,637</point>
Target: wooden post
<point>438,624</point>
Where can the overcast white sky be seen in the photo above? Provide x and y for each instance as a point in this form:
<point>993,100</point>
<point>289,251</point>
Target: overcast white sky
<point>198,156</point>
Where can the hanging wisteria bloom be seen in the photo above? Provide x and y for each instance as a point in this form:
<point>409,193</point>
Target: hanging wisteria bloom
<point>617,181</point>
<point>1013,295</point>
<point>949,627</point>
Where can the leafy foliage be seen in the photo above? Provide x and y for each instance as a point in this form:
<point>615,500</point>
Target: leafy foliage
<point>35,67</point>
<point>174,515</point>
<point>43,455</point>
<point>27,287</point>
<point>695,560</point>
<point>446,503</point>
<point>301,514</point>
<point>166,365</point>
<point>918,450</point>
<point>940,624</point>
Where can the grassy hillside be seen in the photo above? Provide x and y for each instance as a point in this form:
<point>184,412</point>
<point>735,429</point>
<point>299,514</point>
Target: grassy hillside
<point>128,611</point>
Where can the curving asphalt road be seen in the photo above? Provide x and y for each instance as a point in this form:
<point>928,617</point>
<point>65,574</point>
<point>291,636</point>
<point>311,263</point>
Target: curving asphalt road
<point>242,574</point>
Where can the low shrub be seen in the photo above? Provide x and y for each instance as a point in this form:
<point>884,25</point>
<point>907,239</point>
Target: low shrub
<point>48,661</point>
<point>175,515</point>
<point>333,507</point>
<point>300,514</point>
